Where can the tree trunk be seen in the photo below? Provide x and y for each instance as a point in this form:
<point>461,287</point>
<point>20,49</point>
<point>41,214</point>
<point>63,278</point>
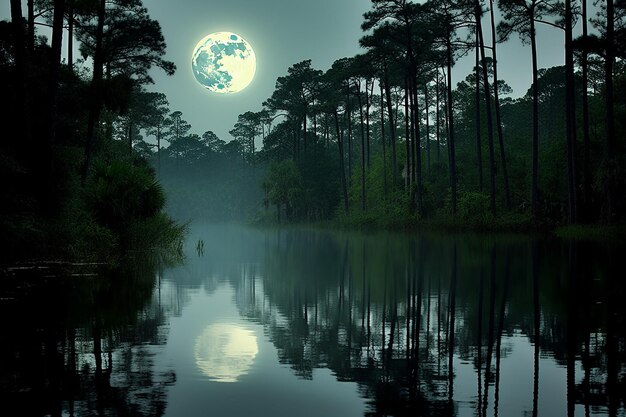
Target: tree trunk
<point>349,121</point>
<point>418,148</point>
<point>438,119</point>
<point>585,108</point>
<point>450,114</point>
<point>487,89</point>
<point>96,92</point>
<point>610,107</point>
<point>426,104</point>
<point>342,170</point>
<point>411,137</point>
<point>392,132</point>
<point>382,134</point>
<point>535,144</point>
<point>21,68</point>
<point>55,65</point>
<point>496,97</point>
<point>363,197</point>
<point>570,117</point>
<point>368,103</point>
<point>30,34</point>
<point>408,133</point>
<point>70,34</point>
<point>479,147</point>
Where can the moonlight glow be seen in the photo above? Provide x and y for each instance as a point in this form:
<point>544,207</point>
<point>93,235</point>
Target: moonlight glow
<point>224,352</point>
<point>223,62</point>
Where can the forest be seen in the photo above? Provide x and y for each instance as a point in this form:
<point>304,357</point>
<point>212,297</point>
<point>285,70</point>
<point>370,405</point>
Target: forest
<point>381,139</point>
<point>70,189</point>
<point>401,145</point>
<point>323,259</point>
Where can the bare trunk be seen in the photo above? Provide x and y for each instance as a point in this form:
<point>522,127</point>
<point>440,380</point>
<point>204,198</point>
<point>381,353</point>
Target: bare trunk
<point>368,103</point>
<point>408,133</point>
<point>479,147</point>
<point>349,114</point>
<point>96,92</point>
<point>70,34</point>
<point>55,65</point>
<point>585,107</point>
<point>392,133</point>
<point>450,117</point>
<point>438,119</point>
<point>496,97</point>
<point>487,90</point>
<point>535,144</point>
<point>570,117</point>
<point>411,117</point>
<point>342,170</point>
<point>363,162</point>
<point>382,134</point>
<point>418,148</point>
<point>22,67</point>
<point>609,63</point>
<point>426,104</point>
<point>30,41</point>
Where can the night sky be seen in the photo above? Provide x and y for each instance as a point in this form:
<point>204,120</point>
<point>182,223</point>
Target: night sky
<point>283,32</point>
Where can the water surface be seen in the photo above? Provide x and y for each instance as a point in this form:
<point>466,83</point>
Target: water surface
<point>318,323</point>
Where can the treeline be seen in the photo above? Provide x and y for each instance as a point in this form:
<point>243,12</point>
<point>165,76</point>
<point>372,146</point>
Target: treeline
<point>69,188</point>
<point>205,178</point>
<point>387,138</point>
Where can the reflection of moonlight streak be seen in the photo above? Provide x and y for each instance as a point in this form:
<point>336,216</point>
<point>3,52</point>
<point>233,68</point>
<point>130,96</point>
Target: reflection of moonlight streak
<point>223,62</point>
<point>224,352</point>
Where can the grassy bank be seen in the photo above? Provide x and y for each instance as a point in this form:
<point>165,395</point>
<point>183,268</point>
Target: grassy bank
<point>505,223</point>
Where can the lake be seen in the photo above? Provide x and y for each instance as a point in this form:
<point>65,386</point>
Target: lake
<point>301,322</point>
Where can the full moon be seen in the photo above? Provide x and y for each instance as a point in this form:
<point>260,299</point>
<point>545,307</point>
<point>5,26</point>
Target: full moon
<point>223,62</point>
<point>224,352</point>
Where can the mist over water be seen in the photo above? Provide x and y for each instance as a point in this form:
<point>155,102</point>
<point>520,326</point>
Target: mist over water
<point>305,322</point>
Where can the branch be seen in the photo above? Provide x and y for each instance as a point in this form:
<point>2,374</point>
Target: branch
<point>43,24</point>
<point>550,24</point>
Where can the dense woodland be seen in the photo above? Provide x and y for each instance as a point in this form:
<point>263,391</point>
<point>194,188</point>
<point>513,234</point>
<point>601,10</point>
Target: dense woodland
<point>381,138</point>
<point>385,138</point>
<point>69,188</point>
<point>401,144</point>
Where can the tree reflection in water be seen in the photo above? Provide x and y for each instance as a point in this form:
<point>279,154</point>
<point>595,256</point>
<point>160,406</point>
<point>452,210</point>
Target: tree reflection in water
<point>428,325</point>
<point>84,345</point>
<point>398,316</point>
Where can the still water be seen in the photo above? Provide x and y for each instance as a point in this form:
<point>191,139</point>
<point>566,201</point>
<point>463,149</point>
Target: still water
<point>296,322</point>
